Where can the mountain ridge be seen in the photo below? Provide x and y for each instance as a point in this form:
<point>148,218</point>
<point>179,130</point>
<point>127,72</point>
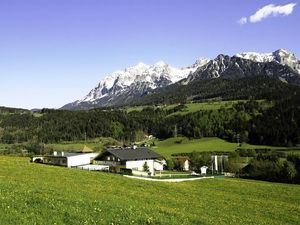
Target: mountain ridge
<point>132,83</point>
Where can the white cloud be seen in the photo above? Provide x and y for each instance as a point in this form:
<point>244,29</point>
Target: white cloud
<point>267,11</point>
<point>243,20</point>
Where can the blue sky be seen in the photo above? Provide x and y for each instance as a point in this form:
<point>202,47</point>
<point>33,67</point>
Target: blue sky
<point>53,52</point>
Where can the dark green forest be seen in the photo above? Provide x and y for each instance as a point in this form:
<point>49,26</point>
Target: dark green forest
<point>256,87</point>
<point>250,121</point>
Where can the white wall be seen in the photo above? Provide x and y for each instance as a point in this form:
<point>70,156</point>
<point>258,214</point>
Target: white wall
<point>53,160</point>
<point>82,159</point>
<point>138,165</point>
<point>158,165</point>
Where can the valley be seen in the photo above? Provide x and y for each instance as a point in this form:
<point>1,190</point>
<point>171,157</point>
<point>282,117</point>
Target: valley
<point>149,112</point>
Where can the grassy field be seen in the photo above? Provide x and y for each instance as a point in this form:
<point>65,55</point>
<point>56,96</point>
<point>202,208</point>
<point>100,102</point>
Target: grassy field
<point>40,194</point>
<point>191,107</point>
<point>194,107</point>
<point>172,145</point>
<point>71,147</point>
<point>98,144</point>
<point>183,145</point>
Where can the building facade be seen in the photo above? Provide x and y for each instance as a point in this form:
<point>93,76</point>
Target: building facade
<point>136,159</point>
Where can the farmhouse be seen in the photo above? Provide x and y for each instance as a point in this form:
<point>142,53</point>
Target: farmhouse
<point>136,159</point>
<point>69,159</point>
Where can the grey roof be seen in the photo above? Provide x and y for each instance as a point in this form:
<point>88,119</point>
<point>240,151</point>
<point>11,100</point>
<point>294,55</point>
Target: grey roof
<point>66,154</point>
<point>132,154</point>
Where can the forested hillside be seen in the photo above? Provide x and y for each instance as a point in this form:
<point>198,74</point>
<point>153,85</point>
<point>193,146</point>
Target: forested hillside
<point>258,87</point>
<point>251,121</point>
<point>5,110</point>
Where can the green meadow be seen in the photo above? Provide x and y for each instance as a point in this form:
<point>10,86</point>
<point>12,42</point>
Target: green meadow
<point>73,147</point>
<point>191,107</point>
<point>97,144</point>
<point>41,194</point>
<point>184,145</point>
<point>195,106</point>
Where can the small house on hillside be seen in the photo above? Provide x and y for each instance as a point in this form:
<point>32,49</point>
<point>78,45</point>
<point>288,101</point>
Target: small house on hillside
<point>136,159</point>
<point>69,159</point>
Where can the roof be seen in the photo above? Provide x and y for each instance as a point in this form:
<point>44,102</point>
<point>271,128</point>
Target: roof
<point>132,154</point>
<point>86,149</point>
<point>66,154</point>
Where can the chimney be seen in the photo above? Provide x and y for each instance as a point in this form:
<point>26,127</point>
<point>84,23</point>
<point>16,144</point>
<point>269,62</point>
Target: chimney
<point>55,153</point>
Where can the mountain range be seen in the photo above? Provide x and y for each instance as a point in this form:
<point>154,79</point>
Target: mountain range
<point>133,83</point>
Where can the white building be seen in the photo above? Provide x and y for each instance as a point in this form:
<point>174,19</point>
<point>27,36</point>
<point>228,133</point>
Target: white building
<point>137,159</point>
<point>69,159</point>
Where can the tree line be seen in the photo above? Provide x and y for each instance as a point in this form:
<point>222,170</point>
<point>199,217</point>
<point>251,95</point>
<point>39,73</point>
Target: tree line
<point>250,121</point>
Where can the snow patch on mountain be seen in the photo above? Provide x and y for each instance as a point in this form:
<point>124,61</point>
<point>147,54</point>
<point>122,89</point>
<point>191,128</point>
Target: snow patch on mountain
<point>154,76</point>
<point>257,57</point>
<point>125,86</point>
<point>281,56</point>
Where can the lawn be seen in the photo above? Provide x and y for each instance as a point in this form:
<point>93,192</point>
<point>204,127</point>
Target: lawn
<point>184,145</point>
<point>191,107</point>
<point>194,107</point>
<point>71,147</point>
<point>98,144</point>
<point>40,194</point>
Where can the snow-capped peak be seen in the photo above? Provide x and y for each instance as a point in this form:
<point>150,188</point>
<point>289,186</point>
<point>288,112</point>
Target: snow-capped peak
<point>257,57</point>
<point>160,64</point>
<point>152,76</point>
<point>141,64</point>
<point>200,62</point>
<point>281,56</point>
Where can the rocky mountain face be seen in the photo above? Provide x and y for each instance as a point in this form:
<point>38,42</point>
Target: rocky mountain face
<point>280,56</point>
<point>127,85</point>
<point>280,65</point>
